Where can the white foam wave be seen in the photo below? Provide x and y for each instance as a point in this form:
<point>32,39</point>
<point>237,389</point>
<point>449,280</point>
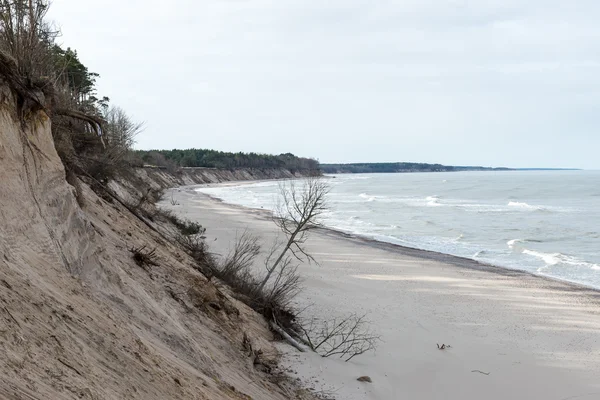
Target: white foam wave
<point>513,243</point>
<point>559,258</point>
<point>433,201</point>
<point>367,197</point>
<point>549,259</point>
<point>525,206</point>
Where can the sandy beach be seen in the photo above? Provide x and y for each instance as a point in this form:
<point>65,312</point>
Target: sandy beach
<point>510,335</point>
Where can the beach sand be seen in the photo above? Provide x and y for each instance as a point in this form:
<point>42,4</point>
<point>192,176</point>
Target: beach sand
<point>512,335</point>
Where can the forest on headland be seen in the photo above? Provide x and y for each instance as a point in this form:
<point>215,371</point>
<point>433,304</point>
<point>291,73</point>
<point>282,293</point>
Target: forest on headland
<point>205,158</point>
<point>226,160</point>
<point>359,168</point>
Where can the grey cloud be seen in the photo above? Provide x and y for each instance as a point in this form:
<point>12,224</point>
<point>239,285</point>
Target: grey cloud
<point>459,82</point>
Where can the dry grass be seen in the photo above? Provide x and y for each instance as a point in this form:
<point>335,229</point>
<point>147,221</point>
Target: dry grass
<point>143,257</point>
<point>272,301</point>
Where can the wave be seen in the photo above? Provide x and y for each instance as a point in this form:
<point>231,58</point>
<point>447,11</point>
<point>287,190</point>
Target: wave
<point>512,244</point>
<point>522,205</point>
<point>559,258</point>
<point>405,216</point>
<point>433,201</point>
<point>549,259</point>
<point>367,197</point>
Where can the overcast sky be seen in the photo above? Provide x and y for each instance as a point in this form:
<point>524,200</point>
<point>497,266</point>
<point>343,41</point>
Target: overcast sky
<point>481,82</point>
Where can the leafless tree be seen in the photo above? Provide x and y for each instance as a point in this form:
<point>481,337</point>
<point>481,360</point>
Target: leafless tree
<point>345,338</point>
<point>299,209</point>
<point>119,129</point>
<point>26,37</point>
<point>302,203</point>
<point>240,259</point>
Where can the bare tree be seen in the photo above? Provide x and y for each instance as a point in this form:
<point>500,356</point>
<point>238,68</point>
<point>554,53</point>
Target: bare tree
<point>26,37</point>
<point>302,203</point>
<point>346,338</point>
<point>120,130</point>
<point>297,213</point>
<point>240,259</point>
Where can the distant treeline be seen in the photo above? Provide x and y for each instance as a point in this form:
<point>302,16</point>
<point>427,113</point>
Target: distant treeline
<point>219,159</point>
<point>397,167</point>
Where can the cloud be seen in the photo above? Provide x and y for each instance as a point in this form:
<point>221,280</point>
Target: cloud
<point>459,82</point>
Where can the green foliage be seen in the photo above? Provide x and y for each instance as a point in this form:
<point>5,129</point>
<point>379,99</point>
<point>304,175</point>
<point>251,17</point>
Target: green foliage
<point>226,160</point>
<point>80,81</point>
<point>77,76</point>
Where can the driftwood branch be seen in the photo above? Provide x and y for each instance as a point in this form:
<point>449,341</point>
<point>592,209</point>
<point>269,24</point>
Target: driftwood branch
<point>345,338</point>
<point>481,372</point>
<point>287,337</point>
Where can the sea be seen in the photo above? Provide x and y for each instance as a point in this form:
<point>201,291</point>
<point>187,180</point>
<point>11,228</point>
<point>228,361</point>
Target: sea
<point>543,222</point>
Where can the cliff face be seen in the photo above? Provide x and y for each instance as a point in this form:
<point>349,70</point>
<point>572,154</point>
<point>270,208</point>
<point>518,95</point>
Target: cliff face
<point>193,176</point>
<point>79,319</point>
<point>39,210</point>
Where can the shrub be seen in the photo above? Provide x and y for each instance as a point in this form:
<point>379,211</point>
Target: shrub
<point>144,258</point>
<point>185,227</point>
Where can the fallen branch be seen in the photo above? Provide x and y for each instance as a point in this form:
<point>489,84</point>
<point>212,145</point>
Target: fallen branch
<point>287,337</point>
<point>481,372</point>
<point>345,338</point>
<point>303,340</point>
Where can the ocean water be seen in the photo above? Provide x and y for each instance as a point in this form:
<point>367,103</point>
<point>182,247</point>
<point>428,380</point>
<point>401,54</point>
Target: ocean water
<point>544,222</point>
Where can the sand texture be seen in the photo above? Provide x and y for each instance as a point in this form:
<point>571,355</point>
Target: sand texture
<point>509,335</point>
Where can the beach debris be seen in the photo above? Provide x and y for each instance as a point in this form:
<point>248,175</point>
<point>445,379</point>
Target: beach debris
<point>364,378</point>
<point>481,372</point>
<point>443,346</point>
<point>345,337</point>
<point>287,337</point>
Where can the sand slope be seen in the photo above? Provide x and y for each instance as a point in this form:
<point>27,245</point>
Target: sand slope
<point>512,335</point>
<point>80,320</point>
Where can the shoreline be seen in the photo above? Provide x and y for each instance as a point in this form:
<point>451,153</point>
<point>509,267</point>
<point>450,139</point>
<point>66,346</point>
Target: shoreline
<point>535,336</point>
<point>458,261</point>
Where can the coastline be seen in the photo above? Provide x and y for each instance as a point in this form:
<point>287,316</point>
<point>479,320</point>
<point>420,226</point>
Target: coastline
<point>458,261</point>
<point>535,336</point>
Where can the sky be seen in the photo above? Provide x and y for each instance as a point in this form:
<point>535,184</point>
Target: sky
<point>483,82</point>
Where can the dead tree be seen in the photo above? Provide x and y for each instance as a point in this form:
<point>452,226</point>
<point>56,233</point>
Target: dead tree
<point>26,37</point>
<point>345,338</point>
<point>297,213</point>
